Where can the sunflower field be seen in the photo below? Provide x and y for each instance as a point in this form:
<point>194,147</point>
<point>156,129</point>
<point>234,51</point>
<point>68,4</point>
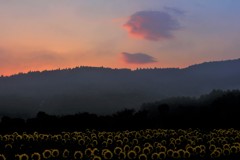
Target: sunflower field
<point>155,144</point>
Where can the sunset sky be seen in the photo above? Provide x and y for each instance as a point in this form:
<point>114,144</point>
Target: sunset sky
<point>51,34</point>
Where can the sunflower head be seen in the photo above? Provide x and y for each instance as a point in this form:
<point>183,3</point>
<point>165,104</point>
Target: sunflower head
<point>146,150</point>
<point>132,154</point>
<point>226,152</point>
<point>142,156</point>
<point>2,157</point>
<point>122,155</point>
<point>117,150</point>
<point>155,156</point>
<point>108,154</point>
<point>88,152</point>
<point>46,154</point>
<point>36,156</point>
<point>66,153</point>
<point>97,158</point>
<point>170,153</point>
<point>162,155</point>
<point>55,153</point>
<point>78,155</point>
<point>23,157</point>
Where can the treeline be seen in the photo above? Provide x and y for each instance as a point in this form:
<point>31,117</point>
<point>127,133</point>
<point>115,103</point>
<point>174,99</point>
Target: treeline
<point>219,109</point>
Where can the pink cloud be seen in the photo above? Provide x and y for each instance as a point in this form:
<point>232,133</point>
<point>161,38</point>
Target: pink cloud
<point>151,25</point>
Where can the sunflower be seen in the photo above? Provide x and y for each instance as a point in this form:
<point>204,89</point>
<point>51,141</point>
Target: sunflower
<point>226,151</point>
<point>88,152</point>
<point>18,138</point>
<point>109,141</point>
<point>94,142</point>
<point>107,154</point>
<point>122,155</point>
<point>135,141</point>
<point>55,138</point>
<point>126,148</point>
<point>212,147</point>
<point>47,154</point>
<point>2,157</point>
<point>203,148</point>
<point>176,155</point>
<point>142,156</point>
<point>78,155</point>
<point>31,138</point>
<point>116,137</point>
<point>155,156</point>
<point>105,144</point>
<point>162,155</point>
<point>117,150</point>
<point>81,142</point>
<point>64,141</point>
<point>150,147</point>
<point>36,156</point>
<point>25,136</point>
<point>181,153</point>
<point>164,142</point>
<point>198,149</point>
<point>66,136</point>
<point>137,149</point>
<point>119,142</point>
<point>202,153</point>
<point>215,154</point>
<point>55,153</point>
<point>156,144</point>
<point>125,140</point>
<point>147,144</point>
<point>178,141</point>
<point>138,135</point>
<point>103,151</point>
<point>5,138</point>
<point>190,149</point>
<point>187,154</point>
<point>233,149</point>
<point>163,149</point>
<point>170,153</point>
<point>65,153</point>
<point>23,157</point>
<point>146,150</point>
<point>131,154</point>
<point>95,151</point>
<point>8,146</point>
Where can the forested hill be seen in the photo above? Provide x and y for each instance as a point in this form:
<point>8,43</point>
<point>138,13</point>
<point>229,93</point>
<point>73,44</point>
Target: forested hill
<point>105,90</point>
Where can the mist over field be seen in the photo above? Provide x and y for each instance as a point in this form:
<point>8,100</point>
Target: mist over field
<point>105,90</point>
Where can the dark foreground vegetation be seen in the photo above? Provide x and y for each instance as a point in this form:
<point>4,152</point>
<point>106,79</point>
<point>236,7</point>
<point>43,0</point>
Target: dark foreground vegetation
<point>219,109</point>
<point>177,128</point>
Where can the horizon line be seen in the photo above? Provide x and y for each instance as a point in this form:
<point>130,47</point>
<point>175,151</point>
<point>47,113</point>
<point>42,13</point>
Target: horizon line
<point>113,68</point>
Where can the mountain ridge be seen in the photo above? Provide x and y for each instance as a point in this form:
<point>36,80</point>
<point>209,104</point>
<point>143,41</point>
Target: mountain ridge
<point>89,68</point>
<point>104,90</point>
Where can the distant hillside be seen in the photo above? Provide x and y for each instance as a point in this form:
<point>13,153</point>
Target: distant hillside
<point>105,90</point>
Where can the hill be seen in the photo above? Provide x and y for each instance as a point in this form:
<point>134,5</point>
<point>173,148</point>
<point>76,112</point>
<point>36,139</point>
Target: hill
<point>104,90</point>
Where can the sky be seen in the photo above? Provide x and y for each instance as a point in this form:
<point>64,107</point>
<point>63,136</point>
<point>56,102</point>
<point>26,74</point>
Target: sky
<point>51,34</point>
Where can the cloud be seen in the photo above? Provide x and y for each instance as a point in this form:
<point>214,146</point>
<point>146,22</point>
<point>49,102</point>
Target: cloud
<point>137,58</point>
<point>152,25</point>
